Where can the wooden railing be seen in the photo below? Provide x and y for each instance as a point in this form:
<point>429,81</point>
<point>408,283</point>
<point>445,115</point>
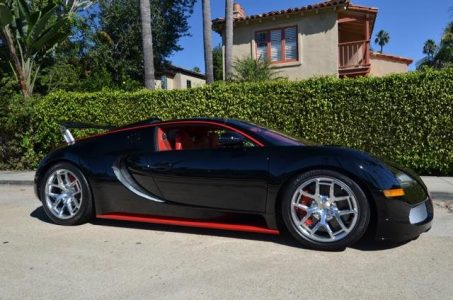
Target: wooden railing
<point>354,54</point>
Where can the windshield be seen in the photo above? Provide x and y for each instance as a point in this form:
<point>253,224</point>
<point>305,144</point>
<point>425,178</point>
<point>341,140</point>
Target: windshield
<point>273,136</point>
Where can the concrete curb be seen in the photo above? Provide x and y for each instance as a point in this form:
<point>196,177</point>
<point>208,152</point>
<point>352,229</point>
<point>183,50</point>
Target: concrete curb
<point>442,196</point>
<point>17,182</point>
<point>17,177</point>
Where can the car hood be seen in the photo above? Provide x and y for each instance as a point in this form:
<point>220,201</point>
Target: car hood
<point>391,165</point>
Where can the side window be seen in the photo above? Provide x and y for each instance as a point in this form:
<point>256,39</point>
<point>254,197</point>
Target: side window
<point>277,45</point>
<point>261,45</point>
<point>230,139</point>
<point>189,84</point>
<point>194,137</point>
<point>164,82</point>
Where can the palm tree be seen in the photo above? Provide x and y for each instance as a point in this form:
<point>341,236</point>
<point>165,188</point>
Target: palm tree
<point>228,39</point>
<point>448,33</point>
<point>440,56</point>
<point>147,40</point>
<point>31,33</point>
<point>6,18</point>
<point>382,38</point>
<point>444,55</point>
<point>429,49</point>
<point>207,41</point>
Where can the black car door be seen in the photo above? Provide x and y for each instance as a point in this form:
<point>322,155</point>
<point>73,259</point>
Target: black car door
<point>225,177</point>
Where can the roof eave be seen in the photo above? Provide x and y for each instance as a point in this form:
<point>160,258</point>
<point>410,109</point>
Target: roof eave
<point>393,58</point>
<point>364,9</point>
<point>217,24</point>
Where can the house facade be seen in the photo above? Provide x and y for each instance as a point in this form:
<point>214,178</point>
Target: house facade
<point>172,77</point>
<point>328,38</point>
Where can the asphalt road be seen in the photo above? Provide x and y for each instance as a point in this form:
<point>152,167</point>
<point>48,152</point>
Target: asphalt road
<point>119,260</point>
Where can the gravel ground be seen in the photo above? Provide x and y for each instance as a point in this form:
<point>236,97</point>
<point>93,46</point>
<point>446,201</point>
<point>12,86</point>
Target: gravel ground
<point>119,260</point>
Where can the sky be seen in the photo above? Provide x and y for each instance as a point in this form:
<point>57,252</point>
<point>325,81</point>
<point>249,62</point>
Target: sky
<point>409,22</point>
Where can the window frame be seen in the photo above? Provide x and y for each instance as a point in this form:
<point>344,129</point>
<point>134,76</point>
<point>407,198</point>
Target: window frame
<point>282,44</point>
<point>174,125</point>
<point>164,82</point>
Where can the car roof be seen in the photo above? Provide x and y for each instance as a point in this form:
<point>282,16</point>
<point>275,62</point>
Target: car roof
<point>210,119</point>
<point>217,120</point>
<point>156,122</point>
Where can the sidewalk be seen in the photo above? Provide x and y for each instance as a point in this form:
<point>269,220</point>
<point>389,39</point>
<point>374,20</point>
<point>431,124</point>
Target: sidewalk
<point>17,177</point>
<point>441,188</point>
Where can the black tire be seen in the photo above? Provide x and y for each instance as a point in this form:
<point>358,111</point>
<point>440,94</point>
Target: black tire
<point>84,213</point>
<point>358,228</point>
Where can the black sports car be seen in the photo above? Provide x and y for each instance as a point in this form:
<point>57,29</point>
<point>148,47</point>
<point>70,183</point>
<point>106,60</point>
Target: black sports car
<point>233,175</point>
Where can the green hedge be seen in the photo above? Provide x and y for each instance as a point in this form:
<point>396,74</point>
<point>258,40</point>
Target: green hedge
<point>406,118</point>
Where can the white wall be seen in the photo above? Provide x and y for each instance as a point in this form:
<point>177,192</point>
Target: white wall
<point>318,43</point>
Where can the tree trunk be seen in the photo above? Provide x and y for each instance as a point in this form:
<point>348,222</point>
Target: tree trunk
<point>207,40</point>
<point>16,62</point>
<point>382,49</point>
<point>228,39</point>
<point>147,39</point>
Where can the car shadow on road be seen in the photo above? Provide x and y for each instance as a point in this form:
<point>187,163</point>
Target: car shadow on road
<point>39,214</point>
<point>282,239</point>
<point>366,244</point>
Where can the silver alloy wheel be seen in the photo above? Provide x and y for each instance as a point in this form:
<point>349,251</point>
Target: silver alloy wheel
<point>63,194</point>
<point>324,209</point>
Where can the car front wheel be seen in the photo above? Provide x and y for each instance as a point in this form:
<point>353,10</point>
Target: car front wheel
<point>325,210</point>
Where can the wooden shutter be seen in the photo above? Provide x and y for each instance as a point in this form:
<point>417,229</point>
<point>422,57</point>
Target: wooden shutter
<point>291,43</point>
<point>276,45</point>
<point>261,45</point>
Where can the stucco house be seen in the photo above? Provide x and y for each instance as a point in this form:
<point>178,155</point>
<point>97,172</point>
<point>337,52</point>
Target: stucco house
<point>171,77</point>
<point>328,38</point>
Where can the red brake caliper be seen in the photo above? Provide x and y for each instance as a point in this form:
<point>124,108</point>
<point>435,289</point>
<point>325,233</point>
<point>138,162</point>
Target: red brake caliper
<point>71,179</point>
<point>307,202</point>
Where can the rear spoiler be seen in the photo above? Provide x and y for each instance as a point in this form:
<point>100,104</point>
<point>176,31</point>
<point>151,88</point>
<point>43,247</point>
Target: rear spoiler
<point>70,140</point>
<point>67,135</point>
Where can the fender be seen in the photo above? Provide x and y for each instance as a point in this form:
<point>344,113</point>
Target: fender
<point>288,162</point>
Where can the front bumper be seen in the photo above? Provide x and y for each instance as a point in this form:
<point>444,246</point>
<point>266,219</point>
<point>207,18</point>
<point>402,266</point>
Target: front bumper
<point>403,221</point>
<point>36,185</point>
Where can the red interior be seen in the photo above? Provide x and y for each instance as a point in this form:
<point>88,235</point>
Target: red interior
<point>195,137</point>
<point>163,144</point>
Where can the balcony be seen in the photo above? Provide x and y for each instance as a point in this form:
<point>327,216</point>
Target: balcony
<point>354,58</point>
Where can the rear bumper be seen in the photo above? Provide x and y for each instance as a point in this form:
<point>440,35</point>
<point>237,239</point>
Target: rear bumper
<point>404,221</point>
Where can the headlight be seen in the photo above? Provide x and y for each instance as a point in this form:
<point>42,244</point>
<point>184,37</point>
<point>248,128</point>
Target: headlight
<point>404,179</point>
<point>405,182</point>
<point>411,189</point>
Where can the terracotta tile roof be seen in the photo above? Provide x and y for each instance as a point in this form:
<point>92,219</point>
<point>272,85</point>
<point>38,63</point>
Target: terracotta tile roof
<point>170,69</point>
<point>389,57</point>
<point>325,4</point>
<point>360,8</point>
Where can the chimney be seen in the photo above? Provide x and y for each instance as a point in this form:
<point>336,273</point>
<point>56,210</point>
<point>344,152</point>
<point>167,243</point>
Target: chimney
<point>238,11</point>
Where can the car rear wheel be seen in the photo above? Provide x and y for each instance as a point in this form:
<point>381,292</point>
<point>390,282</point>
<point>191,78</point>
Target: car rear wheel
<point>65,195</point>
<point>325,210</point>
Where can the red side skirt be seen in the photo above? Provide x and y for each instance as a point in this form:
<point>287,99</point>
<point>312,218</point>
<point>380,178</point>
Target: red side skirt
<point>187,222</point>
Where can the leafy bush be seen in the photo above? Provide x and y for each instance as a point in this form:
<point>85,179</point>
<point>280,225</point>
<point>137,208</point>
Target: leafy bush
<point>60,76</point>
<point>251,70</point>
<point>406,118</point>
<point>16,151</point>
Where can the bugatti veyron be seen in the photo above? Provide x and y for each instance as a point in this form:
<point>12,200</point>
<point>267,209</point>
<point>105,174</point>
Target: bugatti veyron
<point>232,175</point>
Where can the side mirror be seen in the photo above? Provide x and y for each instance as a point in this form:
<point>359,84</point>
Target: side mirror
<point>231,140</point>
